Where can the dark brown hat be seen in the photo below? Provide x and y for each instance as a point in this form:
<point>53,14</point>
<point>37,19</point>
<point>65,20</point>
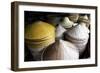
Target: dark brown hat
<point>52,52</point>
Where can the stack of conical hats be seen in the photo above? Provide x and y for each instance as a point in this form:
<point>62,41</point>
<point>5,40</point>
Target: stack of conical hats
<point>39,34</point>
<point>78,35</point>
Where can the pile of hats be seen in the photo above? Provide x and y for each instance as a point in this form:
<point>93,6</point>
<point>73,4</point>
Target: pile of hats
<point>76,36</point>
<point>39,35</point>
<point>58,40</point>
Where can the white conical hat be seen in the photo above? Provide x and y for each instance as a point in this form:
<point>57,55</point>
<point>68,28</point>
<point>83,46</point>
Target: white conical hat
<point>85,17</point>
<point>78,32</point>
<point>73,17</point>
<point>70,51</point>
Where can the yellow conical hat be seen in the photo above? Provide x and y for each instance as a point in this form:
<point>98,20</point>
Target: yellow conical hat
<point>38,30</point>
<point>42,44</point>
<point>40,41</point>
<point>39,34</point>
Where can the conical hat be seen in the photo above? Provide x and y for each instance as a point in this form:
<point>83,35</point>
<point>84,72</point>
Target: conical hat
<point>52,52</point>
<point>39,42</point>
<point>73,17</point>
<point>70,51</point>
<point>40,45</point>
<point>60,50</point>
<point>38,30</point>
<point>78,32</point>
<point>84,19</point>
